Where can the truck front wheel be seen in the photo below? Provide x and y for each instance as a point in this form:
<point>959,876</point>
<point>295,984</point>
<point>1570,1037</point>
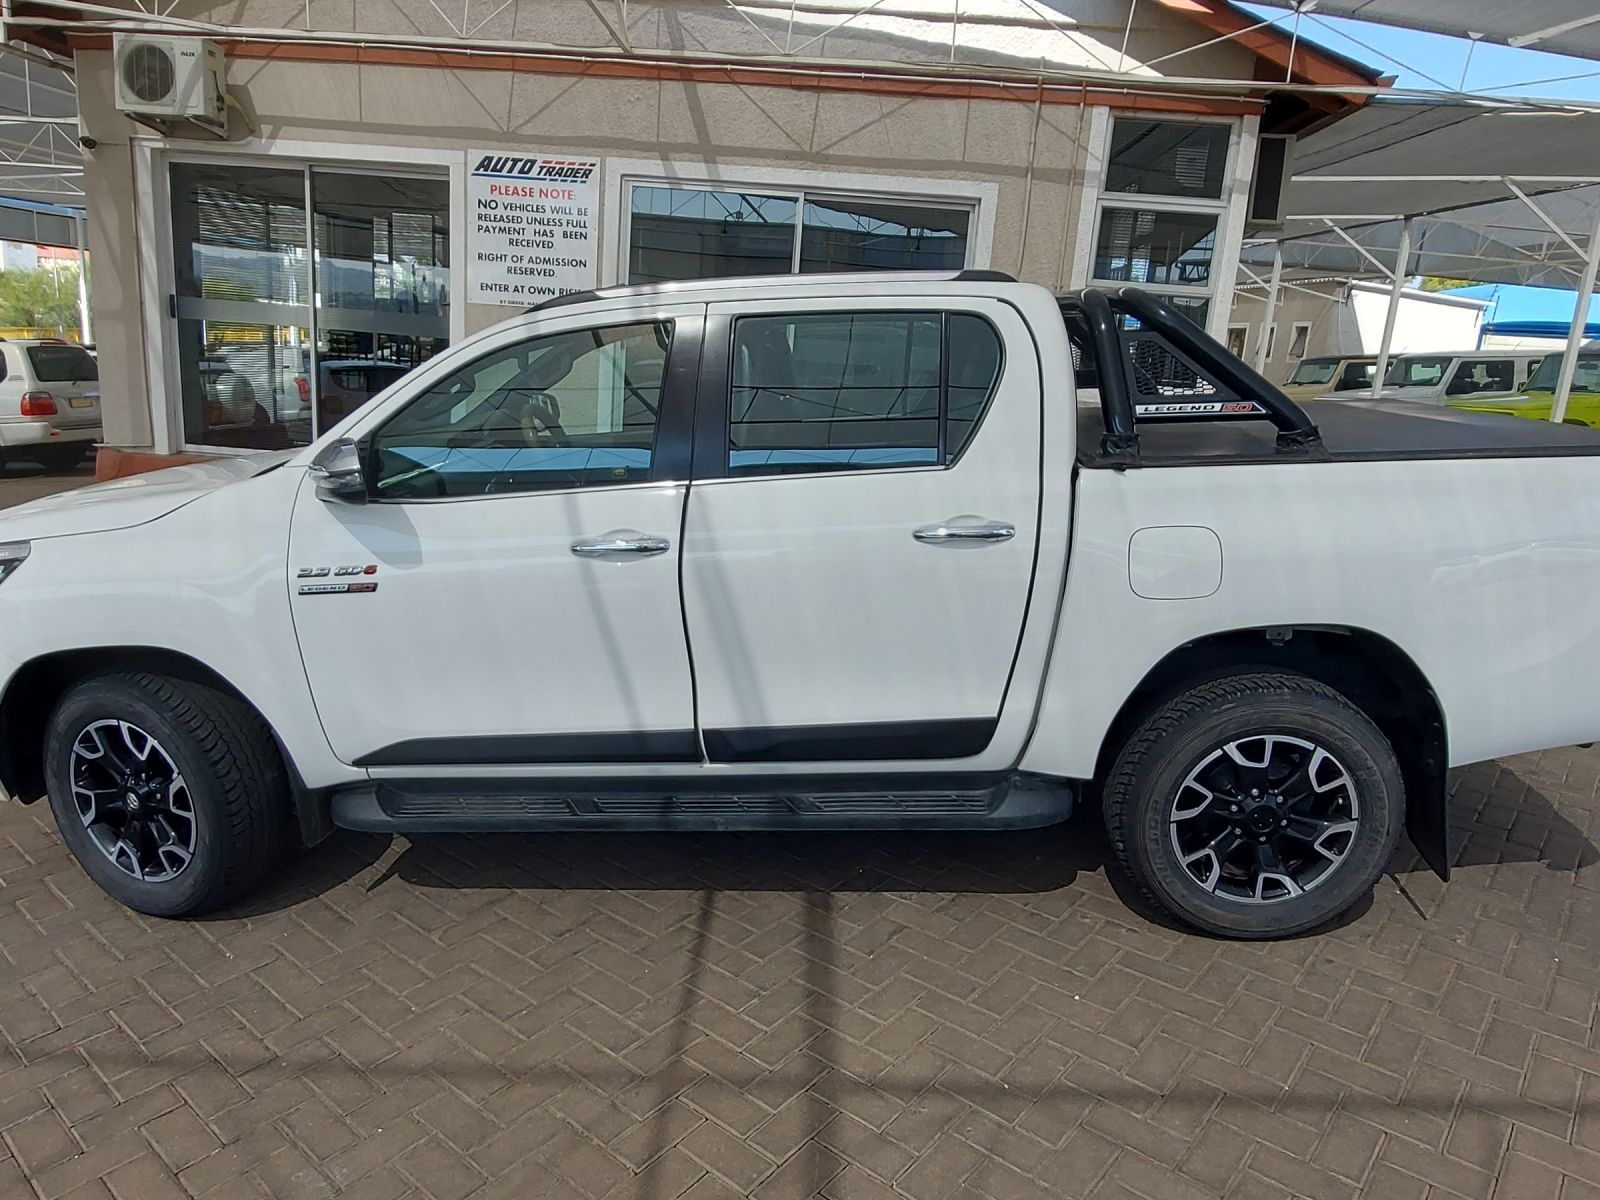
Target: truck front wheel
<point>169,792</point>
<point>1256,805</point>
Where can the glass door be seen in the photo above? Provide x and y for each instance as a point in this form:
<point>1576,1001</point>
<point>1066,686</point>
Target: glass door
<point>242,303</point>
<point>383,284</point>
<point>275,342</point>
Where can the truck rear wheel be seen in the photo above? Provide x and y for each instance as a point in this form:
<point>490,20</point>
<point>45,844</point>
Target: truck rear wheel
<point>1255,805</point>
<point>169,792</point>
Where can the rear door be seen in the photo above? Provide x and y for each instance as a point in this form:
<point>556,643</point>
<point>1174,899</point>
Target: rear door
<point>860,537</point>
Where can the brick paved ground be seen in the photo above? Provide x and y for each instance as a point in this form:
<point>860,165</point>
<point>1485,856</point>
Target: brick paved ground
<point>918,1016</point>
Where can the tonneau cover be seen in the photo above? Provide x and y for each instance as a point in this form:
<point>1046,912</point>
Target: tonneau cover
<point>1352,430</point>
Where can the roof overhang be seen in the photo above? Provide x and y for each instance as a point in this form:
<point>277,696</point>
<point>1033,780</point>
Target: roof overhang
<point>1502,193</point>
<point>1559,26</point>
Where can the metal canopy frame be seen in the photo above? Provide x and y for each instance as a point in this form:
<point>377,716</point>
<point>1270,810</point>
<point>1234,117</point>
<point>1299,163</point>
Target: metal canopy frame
<point>1399,189</point>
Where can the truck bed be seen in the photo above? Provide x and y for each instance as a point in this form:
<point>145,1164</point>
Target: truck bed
<point>1352,431</point>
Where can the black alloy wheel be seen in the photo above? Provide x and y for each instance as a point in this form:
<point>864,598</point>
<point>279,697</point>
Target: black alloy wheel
<point>1255,805</point>
<point>133,801</point>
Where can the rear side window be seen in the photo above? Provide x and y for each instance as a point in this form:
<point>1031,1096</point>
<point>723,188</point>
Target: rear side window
<point>62,364</point>
<point>1482,375</point>
<point>836,391</point>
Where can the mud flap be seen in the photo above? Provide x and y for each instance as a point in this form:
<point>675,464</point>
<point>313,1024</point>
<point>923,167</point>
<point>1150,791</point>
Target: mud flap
<point>1428,804</point>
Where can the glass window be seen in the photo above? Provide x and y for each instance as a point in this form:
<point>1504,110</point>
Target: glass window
<point>876,235</point>
<point>1315,371</point>
<point>1482,375</point>
<point>703,233</point>
<point>374,285</point>
<point>1300,337</point>
<point>1585,378</point>
<point>63,364</point>
<point>1416,372</point>
<point>692,233</point>
<point>566,410</point>
<point>1357,375</point>
<point>383,284</point>
<point>973,348</point>
<point>1167,158</point>
<point>829,391</point>
<point>1153,246</point>
<point>1236,339</point>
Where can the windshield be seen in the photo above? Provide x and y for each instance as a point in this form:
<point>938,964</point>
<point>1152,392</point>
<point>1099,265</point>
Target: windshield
<point>62,364</point>
<point>1586,378</point>
<point>1315,370</point>
<point>1416,371</point>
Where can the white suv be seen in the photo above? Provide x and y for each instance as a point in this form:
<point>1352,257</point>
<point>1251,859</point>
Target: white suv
<point>49,401</point>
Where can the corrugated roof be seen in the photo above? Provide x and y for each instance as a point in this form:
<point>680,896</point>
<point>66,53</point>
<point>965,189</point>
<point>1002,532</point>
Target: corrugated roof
<point>1560,26</point>
<point>1446,163</point>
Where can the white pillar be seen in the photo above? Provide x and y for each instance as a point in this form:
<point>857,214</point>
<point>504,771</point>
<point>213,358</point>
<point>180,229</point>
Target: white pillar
<point>1272,309</point>
<point>85,321</point>
<point>1580,314</point>
<point>1402,260</point>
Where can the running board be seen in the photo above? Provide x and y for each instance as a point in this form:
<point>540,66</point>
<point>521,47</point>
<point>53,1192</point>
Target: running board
<point>427,806</point>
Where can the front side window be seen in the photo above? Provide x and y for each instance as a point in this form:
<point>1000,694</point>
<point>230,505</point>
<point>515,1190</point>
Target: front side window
<point>1357,375</point>
<point>566,410</point>
<point>1317,371</point>
<point>1585,377</point>
<point>1416,372</point>
<point>834,391</point>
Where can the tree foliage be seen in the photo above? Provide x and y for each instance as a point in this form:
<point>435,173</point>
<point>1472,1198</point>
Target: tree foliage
<point>1439,283</point>
<point>43,298</point>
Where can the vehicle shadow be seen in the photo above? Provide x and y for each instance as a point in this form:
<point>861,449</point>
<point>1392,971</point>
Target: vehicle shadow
<point>1497,818</point>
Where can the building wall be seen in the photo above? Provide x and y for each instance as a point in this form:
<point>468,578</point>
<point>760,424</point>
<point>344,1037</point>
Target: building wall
<point>1026,160</point>
<point>1347,318</point>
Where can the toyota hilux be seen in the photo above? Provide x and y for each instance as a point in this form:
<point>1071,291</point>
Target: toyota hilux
<point>820,552</point>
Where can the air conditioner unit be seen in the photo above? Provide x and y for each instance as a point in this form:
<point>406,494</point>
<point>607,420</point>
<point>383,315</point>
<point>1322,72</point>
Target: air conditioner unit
<point>1270,184</point>
<point>162,81</point>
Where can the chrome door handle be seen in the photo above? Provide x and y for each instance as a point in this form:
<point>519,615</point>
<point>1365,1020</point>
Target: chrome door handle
<point>987,531</point>
<point>606,546</point>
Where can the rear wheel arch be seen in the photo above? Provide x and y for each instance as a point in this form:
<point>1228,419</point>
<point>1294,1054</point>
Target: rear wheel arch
<point>1369,670</point>
<point>38,685</point>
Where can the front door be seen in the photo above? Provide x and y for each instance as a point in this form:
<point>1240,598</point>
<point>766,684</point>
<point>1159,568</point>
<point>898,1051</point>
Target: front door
<point>509,593</point>
<point>859,543</point>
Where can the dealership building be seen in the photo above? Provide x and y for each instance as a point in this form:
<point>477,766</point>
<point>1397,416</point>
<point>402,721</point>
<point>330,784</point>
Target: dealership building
<point>290,205</point>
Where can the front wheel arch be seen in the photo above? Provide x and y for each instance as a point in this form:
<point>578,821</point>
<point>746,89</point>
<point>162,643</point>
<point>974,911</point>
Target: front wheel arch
<point>39,684</point>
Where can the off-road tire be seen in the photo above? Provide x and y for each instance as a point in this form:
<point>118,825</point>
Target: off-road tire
<point>1155,760</point>
<point>230,762</point>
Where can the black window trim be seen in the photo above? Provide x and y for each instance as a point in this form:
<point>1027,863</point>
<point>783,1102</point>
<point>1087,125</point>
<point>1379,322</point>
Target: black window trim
<point>713,413</point>
<point>670,453</point>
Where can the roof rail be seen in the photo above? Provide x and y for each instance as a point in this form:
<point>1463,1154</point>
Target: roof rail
<point>757,282</point>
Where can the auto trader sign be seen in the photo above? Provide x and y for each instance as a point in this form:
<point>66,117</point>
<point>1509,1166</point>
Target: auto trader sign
<point>531,230</point>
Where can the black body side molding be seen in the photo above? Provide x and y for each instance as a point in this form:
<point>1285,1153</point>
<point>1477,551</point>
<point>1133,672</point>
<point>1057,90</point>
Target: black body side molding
<point>519,749</point>
<point>878,742</point>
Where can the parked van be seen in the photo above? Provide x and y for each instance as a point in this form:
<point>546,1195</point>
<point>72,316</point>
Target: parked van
<point>1443,377</point>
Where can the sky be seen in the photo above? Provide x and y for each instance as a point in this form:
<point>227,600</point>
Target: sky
<point>1434,62</point>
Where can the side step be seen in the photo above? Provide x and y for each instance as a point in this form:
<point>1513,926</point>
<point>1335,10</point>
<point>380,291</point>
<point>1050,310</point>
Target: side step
<point>444,806</point>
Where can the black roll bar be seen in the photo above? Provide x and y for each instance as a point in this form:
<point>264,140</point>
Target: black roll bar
<point>1095,311</point>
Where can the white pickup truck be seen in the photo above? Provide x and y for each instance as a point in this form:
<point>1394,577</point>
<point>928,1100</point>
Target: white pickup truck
<point>814,552</point>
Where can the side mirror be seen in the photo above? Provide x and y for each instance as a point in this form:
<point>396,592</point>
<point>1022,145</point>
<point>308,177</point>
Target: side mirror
<point>337,470</point>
